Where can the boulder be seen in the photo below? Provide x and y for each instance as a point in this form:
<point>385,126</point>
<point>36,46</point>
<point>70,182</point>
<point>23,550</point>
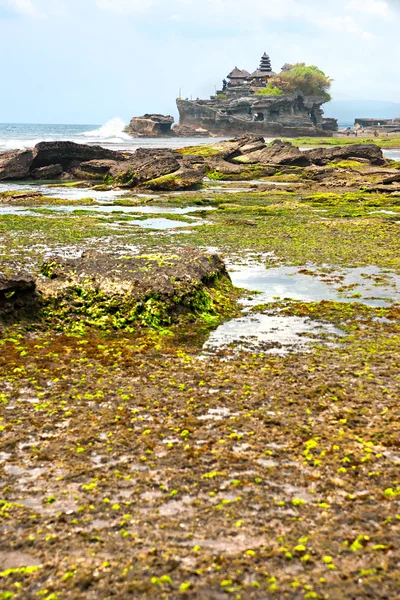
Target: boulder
<point>151,126</point>
<point>228,149</point>
<point>145,164</point>
<point>323,156</point>
<point>50,172</point>
<point>70,154</point>
<point>15,164</point>
<point>277,153</point>
<point>188,176</point>
<point>110,290</point>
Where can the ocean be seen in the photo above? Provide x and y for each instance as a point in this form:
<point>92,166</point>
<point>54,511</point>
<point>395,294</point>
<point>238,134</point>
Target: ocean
<point>110,135</point>
<point>17,136</point>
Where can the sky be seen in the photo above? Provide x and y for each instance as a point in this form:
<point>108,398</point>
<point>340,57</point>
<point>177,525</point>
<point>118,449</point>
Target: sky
<point>87,61</point>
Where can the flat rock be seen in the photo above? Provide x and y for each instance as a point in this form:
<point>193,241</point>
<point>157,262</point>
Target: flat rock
<point>104,289</point>
<point>277,153</point>
<point>323,156</point>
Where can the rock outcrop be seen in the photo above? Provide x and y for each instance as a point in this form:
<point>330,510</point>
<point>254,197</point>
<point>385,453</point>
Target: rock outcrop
<point>277,153</point>
<point>163,169</point>
<point>15,164</point>
<point>370,152</point>
<point>240,110</point>
<point>107,290</point>
<point>151,126</point>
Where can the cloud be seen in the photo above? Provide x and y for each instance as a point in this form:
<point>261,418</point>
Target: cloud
<point>24,7</point>
<point>345,24</point>
<point>376,8</point>
<point>128,6</point>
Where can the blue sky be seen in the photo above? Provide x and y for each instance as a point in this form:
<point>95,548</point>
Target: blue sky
<point>86,61</point>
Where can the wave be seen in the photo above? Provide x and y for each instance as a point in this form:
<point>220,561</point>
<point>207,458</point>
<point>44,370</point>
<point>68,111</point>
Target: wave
<point>113,130</point>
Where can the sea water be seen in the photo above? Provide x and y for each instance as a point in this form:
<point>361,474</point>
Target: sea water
<point>111,135</point>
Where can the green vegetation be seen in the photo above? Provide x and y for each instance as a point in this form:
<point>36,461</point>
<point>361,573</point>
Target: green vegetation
<point>383,142</point>
<point>309,80</point>
<point>270,90</point>
<point>138,462</point>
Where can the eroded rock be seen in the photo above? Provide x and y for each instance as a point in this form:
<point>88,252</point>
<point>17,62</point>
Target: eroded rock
<point>15,164</point>
<point>323,156</point>
<point>107,290</point>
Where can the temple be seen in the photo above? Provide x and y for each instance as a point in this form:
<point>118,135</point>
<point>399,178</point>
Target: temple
<point>244,105</point>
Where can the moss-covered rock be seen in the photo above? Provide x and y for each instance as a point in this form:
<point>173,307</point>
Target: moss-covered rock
<point>114,292</point>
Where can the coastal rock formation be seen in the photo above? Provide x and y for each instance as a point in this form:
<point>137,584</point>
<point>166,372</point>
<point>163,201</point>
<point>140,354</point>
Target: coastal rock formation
<point>69,154</point>
<point>113,290</point>
<point>370,152</point>
<point>164,169</point>
<point>242,110</point>
<point>51,159</point>
<point>150,126</point>
<point>277,153</point>
<point>15,164</point>
<point>49,172</point>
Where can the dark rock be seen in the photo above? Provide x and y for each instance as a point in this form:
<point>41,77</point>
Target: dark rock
<point>188,176</point>
<point>145,165</point>
<point>70,154</point>
<point>323,156</point>
<point>16,292</point>
<point>277,153</point>
<point>50,172</point>
<point>119,290</point>
<point>151,126</point>
<point>15,164</point>
<point>98,167</point>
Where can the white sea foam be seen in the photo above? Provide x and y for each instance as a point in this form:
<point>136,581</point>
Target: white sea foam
<point>112,131</point>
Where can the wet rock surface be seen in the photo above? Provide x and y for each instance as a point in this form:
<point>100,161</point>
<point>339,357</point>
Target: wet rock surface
<point>140,461</point>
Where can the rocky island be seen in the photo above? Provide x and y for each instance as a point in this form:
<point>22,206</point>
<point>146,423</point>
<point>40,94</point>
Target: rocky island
<point>258,103</point>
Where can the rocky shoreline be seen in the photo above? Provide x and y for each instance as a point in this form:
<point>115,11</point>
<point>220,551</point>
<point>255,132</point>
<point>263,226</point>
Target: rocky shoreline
<point>198,384</point>
<point>243,158</point>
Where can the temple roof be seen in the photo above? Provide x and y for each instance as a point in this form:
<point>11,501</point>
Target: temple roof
<point>238,74</point>
<point>264,73</point>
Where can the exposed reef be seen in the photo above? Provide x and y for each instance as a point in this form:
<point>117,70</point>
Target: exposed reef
<point>163,169</point>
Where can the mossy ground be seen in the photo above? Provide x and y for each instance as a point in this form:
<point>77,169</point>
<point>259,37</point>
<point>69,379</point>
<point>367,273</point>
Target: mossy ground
<point>383,141</point>
<point>134,467</point>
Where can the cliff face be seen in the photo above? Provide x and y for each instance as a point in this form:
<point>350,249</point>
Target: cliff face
<point>243,112</point>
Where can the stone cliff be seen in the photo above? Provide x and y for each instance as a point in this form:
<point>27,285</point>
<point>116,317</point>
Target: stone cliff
<point>242,111</point>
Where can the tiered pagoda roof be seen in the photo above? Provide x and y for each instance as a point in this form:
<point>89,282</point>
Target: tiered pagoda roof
<point>265,68</point>
<point>238,74</point>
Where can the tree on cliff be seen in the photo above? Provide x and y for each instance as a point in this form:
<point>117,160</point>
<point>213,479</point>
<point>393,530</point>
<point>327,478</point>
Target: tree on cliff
<point>300,78</point>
